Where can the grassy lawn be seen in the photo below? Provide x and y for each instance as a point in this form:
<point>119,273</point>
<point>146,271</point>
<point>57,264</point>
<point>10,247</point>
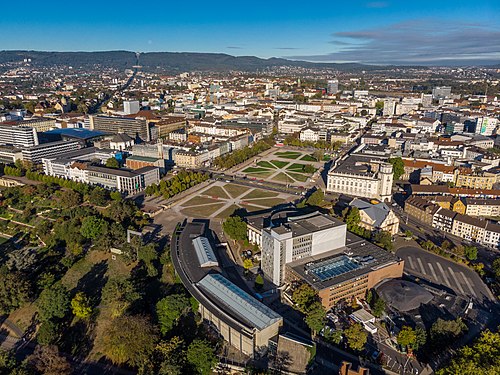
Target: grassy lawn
<point>83,267</point>
<point>216,191</point>
<point>307,158</point>
<point>196,201</point>
<point>267,202</point>
<point>265,164</point>
<point>299,177</point>
<point>279,164</point>
<point>264,174</point>
<point>3,240</point>
<point>23,316</point>
<point>257,193</point>
<point>281,177</point>
<point>235,190</point>
<point>254,169</point>
<point>296,166</point>
<point>288,154</point>
<point>251,208</point>
<point>227,212</point>
<point>202,211</point>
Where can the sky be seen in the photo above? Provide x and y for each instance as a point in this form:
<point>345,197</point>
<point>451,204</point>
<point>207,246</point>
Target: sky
<point>430,32</point>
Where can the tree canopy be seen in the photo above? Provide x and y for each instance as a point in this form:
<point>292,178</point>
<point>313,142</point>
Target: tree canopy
<point>356,336</point>
<point>170,309</point>
<point>235,228</point>
<point>201,356</point>
<point>398,167</point>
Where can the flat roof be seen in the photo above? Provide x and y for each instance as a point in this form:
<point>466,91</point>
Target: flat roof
<point>205,252</point>
<point>78,133</point>
<point>306,224</point>
<point>357,258</point>
<point>240,303</point>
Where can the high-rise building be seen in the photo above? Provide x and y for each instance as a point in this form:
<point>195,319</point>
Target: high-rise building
<point>332,87</point>
<point>133,127</point>
<point>389,107</point>
<point>486,125</point>
<point>20,136</point>
<point>131,107</point>
<point>441,92</point>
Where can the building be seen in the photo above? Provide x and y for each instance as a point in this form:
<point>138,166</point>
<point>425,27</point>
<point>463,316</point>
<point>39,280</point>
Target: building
<point>133,127</point>
<point>483,181</point>
<point>376,216</point>
<point>18,136</point>
<point>138,162</point>
<point>421,209</point>
<point>168,124</point>
<point>361,177</point>
<point>35,154</point>
<point>188,159</point>
<point>486,125</point>
<point>482,207</point>
<point>40,124</point>
<point>131,107</point>
<point>442,92</point>
<point>300,237</point>
<point>121,142</point>
<point>345,369</point>
<point>332,87</point>
<point>243,321</point>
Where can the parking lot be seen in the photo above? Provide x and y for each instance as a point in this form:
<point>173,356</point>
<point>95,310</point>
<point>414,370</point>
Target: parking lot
<point>441,271</point>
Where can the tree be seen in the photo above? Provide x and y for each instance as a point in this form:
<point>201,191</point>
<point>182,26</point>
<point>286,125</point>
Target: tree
<point>444,330</point>
<point>15,290</point>
<point>334,337</point>
<point>352,217</point>
<point>384,240</point>
<point>201,355</point>
<point>259,282</point>
<point>170,309</point>
<point>53,302</point>
<point>48,361</point>
<point>496,268</point>
<point>112,163</point>
<point>482,357</point>
<point>356,336</point>
<point>470,252</point>
<point>168,358</point>
<point>398,167</point>
<point>80,305</point>
<point>235,228</point>
<point>316,198</point>
<point>304,296</point>
<point>129,340</point>
<point>407,337</point>
<point>48,333</point>
<point>315,316</point>
<point>70,198</point>
<point>247,264</point>
<point>93,227</point>
<point>378,307</point>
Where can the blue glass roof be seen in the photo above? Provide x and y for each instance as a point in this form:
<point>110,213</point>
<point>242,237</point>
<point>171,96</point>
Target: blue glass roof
<point>337,266</point>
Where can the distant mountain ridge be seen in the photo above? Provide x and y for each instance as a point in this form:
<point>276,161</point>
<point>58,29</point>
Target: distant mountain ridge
<point>167,61</point>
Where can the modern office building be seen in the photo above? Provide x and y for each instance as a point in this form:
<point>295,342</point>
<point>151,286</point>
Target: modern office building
<point>133,127</point>
<point>35,154</point>
<point>19,136</point>
<point>442,92</point>
<point>486,125</point>
<point>131,106</point>
<point>361,177</point>
<point>41,124</point>
<point>317,249</point>
<point>332,87</point>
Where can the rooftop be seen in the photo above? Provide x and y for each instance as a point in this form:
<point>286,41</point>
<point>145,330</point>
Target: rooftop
<point>240,303</point>
<point>204,252</point>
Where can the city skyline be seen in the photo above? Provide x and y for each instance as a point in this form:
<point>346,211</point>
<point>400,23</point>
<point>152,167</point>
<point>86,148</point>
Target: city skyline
<point>369,32</point>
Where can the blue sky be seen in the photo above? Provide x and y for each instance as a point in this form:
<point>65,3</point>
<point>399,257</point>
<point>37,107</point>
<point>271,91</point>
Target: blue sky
<point>376,32</point>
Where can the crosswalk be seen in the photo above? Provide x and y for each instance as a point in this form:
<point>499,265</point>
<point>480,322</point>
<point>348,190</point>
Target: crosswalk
<point>442,274</point>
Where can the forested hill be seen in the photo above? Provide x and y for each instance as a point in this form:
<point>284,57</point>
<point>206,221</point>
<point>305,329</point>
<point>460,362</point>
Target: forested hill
<point>166,61</point>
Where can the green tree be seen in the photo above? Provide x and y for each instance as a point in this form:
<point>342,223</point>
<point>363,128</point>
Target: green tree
<point>384,240</point>
<point>80,305</point>
<point>168,358</point>
<point>356,336</point>
<point>352,217</point>
<point>482,357</point>
<point>259,282</point>
<point>407,337</point>
<point>247,264</point>
<point>335,337</point>
<point>316,198</point>
<point>53,302</point>
<point>170,309</point>
<point>235,228</point>
<point>470,252</point>
<point>443,330</point>
<point>47,360</point>
<point>129,340</point>
<point>378,307</point>
<point>398,167</point>
<point>48,333</point>
<point>15,290</point>
<point>112,163</point>
<point>315,316</point>
<point>93,227</point>
<point>496,268</point>
<point>201,356</point>
<point>70,198</point>
<point>304,296</point>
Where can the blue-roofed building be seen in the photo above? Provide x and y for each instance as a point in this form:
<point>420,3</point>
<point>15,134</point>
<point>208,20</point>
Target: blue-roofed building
<point>85,136</point>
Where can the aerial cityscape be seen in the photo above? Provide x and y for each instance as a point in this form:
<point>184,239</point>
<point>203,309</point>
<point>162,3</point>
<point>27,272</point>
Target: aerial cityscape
<point>219,188</point>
